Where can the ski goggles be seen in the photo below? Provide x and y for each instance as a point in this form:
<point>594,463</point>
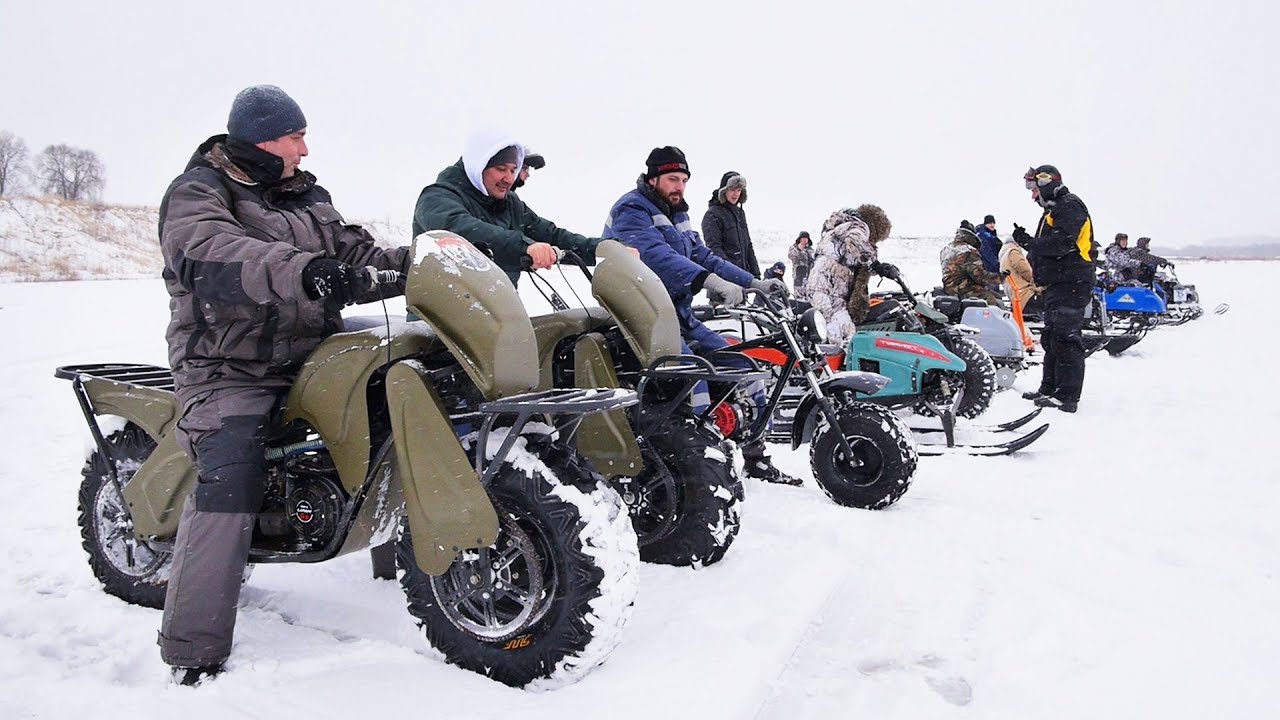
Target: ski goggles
<point>1035,179</point>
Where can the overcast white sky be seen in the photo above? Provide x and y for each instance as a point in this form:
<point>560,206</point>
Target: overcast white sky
<point>1161,115</point>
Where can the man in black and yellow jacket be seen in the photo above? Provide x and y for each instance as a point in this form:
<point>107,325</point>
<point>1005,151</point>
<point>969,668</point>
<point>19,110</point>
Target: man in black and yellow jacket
<point>1062,255</point>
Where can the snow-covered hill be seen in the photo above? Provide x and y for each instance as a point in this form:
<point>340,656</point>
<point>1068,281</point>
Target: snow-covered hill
<point>44,238</point>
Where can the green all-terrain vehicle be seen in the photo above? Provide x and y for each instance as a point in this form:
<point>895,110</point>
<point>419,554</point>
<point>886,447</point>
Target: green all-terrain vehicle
<point>672,467</point>
<point>517,560</point>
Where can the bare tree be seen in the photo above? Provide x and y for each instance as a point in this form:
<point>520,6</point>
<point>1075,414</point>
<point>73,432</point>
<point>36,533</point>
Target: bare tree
<point>71,173</point>
<point>13,161</point>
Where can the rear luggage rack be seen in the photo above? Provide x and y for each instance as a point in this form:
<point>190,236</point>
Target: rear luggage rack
<point>569,400</point>
<point>575,402</point>
<point>129,373</point>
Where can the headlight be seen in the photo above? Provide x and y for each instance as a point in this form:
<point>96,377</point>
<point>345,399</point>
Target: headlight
<point>814,325</point>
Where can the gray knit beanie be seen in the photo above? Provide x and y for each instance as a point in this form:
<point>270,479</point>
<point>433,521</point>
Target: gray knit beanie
<point>264,112</point>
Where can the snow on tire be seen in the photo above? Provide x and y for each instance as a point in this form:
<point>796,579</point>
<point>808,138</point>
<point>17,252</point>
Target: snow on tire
<point>556,605</point>
<point>127,567</point>
<point>707,491</point>
<point>883,448</point>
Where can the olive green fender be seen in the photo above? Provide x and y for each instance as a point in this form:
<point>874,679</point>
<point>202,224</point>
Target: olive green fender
<point>446,504</point>
<point>160,486</point>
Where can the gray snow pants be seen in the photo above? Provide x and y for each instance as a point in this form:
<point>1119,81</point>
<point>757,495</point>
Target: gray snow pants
<point>224,431</point>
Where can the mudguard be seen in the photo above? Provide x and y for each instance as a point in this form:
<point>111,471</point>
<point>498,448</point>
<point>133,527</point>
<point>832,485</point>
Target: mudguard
<point>604,438</point>
<point>477,313</point>
<point>161,485</point>
<point>855,381</point>
<point>447,506</point>
<point>329,393</point>
<point>638,301</point>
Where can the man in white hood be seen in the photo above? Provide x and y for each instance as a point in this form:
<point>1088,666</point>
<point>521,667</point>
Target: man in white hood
<point>474,197</point>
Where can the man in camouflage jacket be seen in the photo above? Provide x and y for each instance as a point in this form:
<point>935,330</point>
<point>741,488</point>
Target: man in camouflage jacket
<point>963,274</point>
<point>846,257</point>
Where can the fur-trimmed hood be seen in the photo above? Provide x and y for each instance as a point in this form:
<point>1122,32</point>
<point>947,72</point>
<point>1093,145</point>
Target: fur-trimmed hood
<point>729,180</point>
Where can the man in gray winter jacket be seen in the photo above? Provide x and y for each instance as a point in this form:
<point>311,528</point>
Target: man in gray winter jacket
<point>258,265</point>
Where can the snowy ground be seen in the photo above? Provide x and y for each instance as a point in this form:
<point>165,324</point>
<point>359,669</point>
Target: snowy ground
<point>1125,566</point>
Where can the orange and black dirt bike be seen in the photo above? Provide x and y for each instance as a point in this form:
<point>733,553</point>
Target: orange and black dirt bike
<point>861,453</point>
<point>517,560</point>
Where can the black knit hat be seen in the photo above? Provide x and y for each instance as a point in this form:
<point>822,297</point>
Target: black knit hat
<point>988,219</point>
<point>664,160</point>
<point>264,112</point>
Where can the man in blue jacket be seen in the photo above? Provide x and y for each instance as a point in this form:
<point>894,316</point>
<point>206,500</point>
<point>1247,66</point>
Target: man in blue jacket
<point>989,244</point>
<point>654,219</point>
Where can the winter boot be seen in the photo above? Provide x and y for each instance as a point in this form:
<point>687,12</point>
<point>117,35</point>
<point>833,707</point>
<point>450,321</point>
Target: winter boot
<point>1049,401</point>
<point>758,465</point>
<point>195,676</point>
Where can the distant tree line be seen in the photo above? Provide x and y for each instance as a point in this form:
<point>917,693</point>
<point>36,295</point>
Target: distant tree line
<point>60,170</point>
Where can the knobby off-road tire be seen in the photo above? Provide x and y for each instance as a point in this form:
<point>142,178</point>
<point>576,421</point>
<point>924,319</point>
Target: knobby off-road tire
<point>686,511</point>
<point>979,378</point>
<point>126,566</point>
<point>882,446</point>
<point>560,580</point>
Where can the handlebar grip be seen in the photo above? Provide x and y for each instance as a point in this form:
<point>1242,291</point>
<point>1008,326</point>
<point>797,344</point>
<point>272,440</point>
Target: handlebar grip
<point>526,262</point>
<point>376,277</point>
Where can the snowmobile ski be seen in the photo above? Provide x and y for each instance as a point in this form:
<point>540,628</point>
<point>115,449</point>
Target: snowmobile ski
<point>999,427</point>
<point>1004,448</point>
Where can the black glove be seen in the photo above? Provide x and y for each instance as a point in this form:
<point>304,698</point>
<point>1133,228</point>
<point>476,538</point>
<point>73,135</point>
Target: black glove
<point>335,281</point>
<point>884,269</point>
<point>1020,234</point>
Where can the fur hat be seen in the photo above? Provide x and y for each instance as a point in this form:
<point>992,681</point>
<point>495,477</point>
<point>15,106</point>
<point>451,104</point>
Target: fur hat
<point>664,160</point>
<point>876,221</point>
<point>264,112</point>
<point>728,181</point>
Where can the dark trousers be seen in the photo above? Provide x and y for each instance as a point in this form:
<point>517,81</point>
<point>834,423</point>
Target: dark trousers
<point>1063,344</point>
<point>224,431</point>
<point>708,341</point>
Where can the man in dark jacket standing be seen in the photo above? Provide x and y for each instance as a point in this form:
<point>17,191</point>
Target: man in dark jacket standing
<point>258,265</point>
<point>1062,255</point>
<point>724,226</point>
<point>654,219</point>
<point>474,197</point>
